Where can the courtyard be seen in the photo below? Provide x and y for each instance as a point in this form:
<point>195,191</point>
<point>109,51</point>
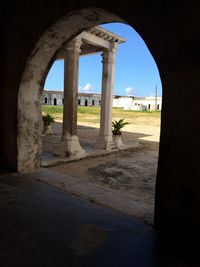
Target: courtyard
<point>121,180</point>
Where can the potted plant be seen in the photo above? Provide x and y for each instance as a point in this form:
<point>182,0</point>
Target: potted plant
<point>116,130</point>
<point>47,121</point>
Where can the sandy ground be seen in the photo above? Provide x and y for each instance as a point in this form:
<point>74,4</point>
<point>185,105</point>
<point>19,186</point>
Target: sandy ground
<point>124,181</point>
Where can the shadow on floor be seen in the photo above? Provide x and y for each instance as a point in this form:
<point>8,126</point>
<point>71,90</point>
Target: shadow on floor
<point>42,226</point>
<point>87,138</point>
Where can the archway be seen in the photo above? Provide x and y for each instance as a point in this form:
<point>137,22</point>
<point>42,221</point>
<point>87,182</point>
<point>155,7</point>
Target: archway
<point>31,86</point>
<point>29,101</point>
<point>30,127</point>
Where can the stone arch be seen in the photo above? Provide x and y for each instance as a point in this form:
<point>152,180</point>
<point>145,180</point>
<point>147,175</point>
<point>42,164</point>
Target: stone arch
<point>29,141</point>
<point>37,66</point>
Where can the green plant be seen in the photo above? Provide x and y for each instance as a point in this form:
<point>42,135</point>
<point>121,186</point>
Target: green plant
<point>117,126</point>
<point>47,119</point>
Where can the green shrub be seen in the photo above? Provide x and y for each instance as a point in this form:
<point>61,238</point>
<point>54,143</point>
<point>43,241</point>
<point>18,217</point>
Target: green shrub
<point>47,119</point>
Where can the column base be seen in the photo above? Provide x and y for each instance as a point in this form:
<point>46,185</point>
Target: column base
<point>70,147</point>
<point>104,142</point>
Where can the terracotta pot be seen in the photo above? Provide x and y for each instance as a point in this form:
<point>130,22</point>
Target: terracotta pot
<point>47,129</point>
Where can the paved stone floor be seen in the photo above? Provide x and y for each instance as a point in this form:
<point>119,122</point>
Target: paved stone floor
<point>42,226</point>
<point>87,138</point>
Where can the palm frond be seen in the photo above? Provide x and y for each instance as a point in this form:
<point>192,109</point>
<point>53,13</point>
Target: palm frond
<point>118,125</point>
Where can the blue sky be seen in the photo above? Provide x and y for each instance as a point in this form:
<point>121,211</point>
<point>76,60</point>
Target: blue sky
<point>136,72</point>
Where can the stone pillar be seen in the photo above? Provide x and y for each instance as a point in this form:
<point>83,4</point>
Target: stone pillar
<point>70,145</point>
<point>104,140</point>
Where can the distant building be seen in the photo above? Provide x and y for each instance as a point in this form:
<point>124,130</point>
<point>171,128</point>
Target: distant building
<point>89,99</point>
<point>122,101</point>
<point>57,98</point>
<point>145,103</point>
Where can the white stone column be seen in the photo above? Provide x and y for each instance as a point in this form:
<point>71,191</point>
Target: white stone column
<point>104,140</point>
<point>70,145</point>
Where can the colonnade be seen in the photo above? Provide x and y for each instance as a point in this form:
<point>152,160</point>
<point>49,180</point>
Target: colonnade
<point>69,145</point>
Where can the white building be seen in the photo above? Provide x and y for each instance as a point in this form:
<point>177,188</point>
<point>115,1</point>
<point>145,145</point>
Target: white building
<point>56,98</point>
<point>145,103</point>
<point>122,101</point>
<point>85,99</point>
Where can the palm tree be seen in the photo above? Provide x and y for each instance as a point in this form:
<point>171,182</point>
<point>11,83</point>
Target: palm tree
<point>117,126</point>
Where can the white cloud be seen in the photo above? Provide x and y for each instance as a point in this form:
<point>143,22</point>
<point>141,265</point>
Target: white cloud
<point>130,91</point>
<point>86,88</point>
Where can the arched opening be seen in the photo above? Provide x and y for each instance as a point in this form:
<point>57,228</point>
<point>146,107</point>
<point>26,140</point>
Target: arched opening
<point>29,119</point>
<point>27,160</point>
<point>55,101</point>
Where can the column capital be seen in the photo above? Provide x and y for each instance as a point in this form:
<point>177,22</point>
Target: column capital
<point>74,45</point>
<point>108,55</point>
